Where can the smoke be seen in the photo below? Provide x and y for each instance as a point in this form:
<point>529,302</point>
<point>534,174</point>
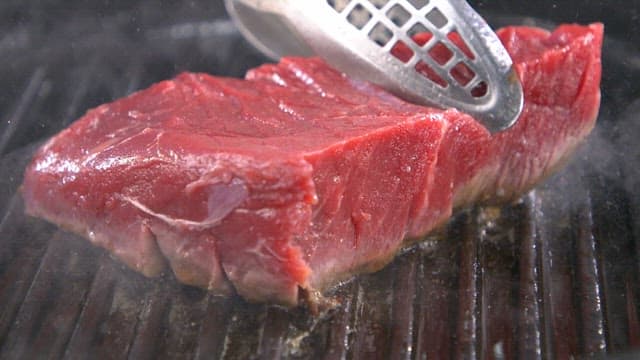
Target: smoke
<point>629,147</point>
<point>605,168</point>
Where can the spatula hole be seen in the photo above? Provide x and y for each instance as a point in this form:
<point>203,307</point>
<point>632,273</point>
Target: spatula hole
<point>359,16</point>
<point>419,4</point>
<point>425,70</point>
<point>338,5</point>
<point>437,18</point>
<point>440,53</point>
<point>380,34</point>
<point>480,90</point>
<point>379,3</point>
<point>402,51</point>
<point>398,15</point>
<point>419,34</point>
<point>456,39</point>
<point>462,73</point>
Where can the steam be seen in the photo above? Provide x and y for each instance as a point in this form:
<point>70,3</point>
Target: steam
<point>603,163</point>
<point>629,145</point>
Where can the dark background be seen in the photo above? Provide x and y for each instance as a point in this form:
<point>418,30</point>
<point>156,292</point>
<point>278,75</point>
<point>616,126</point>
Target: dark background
<point>554,275</point>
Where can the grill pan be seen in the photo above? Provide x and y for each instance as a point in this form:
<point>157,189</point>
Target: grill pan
<point>553,275</point>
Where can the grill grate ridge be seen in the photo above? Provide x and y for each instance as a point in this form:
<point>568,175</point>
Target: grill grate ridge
<point>405,302</point>
<point>95,308</point>
<point>588,285</point>
<point>529,297</point>
<point>20,262</point>
<point>466,341</point>
<point>214,326</point>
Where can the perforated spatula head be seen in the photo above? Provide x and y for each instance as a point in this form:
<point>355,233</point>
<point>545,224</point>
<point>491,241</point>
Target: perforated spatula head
<point>434,52</point>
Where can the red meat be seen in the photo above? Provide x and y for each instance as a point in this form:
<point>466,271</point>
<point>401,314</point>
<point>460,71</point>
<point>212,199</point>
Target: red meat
<point>298,177</point>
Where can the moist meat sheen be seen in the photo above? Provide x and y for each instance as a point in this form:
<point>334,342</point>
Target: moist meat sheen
<point>298,177</point>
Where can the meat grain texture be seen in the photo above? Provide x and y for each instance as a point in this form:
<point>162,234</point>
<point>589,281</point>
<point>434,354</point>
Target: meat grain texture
<point>298,177</point>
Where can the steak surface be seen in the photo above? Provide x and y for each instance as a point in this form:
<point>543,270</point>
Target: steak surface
<point>298,177</point>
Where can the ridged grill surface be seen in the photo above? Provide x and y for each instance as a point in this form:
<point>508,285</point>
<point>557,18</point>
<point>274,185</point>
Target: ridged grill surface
<point>553,275</point>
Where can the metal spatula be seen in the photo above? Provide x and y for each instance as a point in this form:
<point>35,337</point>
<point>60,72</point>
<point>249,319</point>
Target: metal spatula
<point>434,52</point>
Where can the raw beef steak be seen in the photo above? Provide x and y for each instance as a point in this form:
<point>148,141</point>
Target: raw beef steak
<point>298,177</point>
